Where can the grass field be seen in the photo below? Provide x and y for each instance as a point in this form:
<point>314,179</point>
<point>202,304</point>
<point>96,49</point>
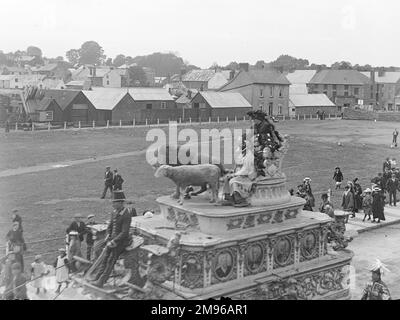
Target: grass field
<point>47,200</point>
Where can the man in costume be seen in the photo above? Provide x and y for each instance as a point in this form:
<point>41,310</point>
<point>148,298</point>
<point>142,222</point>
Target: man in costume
<point>117,238</point>
<point>377,289</point>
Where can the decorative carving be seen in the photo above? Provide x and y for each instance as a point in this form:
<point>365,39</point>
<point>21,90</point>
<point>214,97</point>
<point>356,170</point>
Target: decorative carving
<point>309,245</point>
<point>224,266</point>
<point>192,270</point>
<point>249,222</point>
<point>264,218</point>
<point>291,213</point>
<point>284,251</point>
<point>235,223</point>
<point>255,258</point>
<point>278,218</point>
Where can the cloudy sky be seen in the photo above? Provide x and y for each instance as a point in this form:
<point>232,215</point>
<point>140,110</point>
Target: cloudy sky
<point>207,31</point>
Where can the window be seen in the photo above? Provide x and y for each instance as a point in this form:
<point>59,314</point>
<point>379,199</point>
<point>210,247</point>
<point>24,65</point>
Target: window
<point>356,91</point>
<point>202,105</point>
<point>196,105</point>
<point>271,91</point>
<point>325,87</point>
<point>16,79</point>
<point>280,92</point>
<point>346,87</point>
<point>149,105</point>
<point>108,82</point>
<point>390,106</point>
<point>270,108</point>
<point>261,105</point>
<point>261,93</point>
<point>334,87</point>
<point>280,109</point>
<point>163,105</point>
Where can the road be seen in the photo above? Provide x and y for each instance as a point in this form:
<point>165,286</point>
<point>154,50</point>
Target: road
<point>375,244</point>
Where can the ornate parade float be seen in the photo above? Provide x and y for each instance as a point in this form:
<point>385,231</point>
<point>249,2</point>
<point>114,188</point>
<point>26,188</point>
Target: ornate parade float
<point>268,248</point>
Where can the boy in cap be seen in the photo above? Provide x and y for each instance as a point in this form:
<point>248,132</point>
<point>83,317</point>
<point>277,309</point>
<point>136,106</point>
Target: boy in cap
<point>38,271</point>
<point>62,269</point>
<point>377,289</point>
<point>108,182</point>
<point>117,238</point>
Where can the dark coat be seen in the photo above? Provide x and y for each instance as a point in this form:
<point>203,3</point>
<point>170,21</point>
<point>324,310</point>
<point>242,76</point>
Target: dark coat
<point>378,204</point>
<point>80,228</point>
<point>392,186</point>
<point>357,196</point>
<point>348,201</point>
<point>387,164</point>
<point>118,228</point>
<point>108,178</point>
<point>117,182</point>
<point>338,176</point>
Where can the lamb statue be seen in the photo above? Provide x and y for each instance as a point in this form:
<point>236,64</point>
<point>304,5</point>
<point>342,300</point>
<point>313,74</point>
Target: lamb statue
<point>192,175</point>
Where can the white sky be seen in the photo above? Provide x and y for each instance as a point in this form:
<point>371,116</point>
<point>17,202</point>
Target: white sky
<point>206,31</point>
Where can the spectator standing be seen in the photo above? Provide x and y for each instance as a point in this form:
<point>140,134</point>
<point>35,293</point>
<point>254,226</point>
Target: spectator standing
<point>347,200</point>
<point>78,226</point>
<point>326,206</point>
<point>395,134</point>
<point>19,283</point>
<point>16,243</point>
<point>378,204</point>
<point>338,177</point>
<point>62,269</point>
<point>357,195</point>
<point>38,271</point>
<point>392,185</point>
<point>117,180</point>
<point>386,165</point>
<point>108,182</point>
<point>367,203</point>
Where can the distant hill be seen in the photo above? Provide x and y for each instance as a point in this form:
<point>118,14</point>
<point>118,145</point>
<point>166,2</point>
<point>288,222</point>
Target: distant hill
<point>164,64</point>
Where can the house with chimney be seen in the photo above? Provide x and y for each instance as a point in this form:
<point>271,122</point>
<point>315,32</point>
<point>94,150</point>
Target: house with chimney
<point>207,79</point>
<point>345,88</point>
<point>387,86</point>
<point>53,71</point>
<point>264,89</point>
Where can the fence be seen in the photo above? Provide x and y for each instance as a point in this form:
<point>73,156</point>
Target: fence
<point>43,126</point>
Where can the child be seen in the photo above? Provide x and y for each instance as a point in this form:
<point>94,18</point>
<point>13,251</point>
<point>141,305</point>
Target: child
<point>338,177</point>
<point>38,270</point>
<point>19,282</point>
<point>62,269</point>
<point>367,204</point>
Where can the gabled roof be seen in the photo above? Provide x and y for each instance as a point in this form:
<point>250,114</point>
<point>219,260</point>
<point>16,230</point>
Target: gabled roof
<point>259,76</point>
<point>387,77</point>
<point>198,75</point>
<point>105,99</point>
<point>63,97</point>
<point>347,77</point>
<point>301,76</point>
<point>311,100</point>
<point>139,94</point>
<point>34,105</point>
<point>183,99</point>
<point>224,99</point>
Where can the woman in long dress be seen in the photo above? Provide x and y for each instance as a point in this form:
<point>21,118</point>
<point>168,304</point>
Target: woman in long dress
<point>378,204</point>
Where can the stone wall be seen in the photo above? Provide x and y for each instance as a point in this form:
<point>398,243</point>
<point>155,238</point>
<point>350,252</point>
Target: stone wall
<point>350,114</point>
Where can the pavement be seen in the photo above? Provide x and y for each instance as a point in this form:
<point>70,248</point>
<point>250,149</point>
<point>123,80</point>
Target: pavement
<point>356,226</point>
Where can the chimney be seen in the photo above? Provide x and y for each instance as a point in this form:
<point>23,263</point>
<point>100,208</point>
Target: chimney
<point>231,74</point>
<point>189,94</point>
<point>244,67</point>
<point>372,76</point>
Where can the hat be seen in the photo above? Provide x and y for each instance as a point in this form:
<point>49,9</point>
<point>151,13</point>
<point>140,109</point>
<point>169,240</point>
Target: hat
<point>148,214</point>
<point>38,257</point>
<point>90,216</point>
<point>108,167</point>
<point>378,267</point>
<point>73,233</point>
<point>118,196</point>
<point>337,168</point>
<point>307,179</point>
<point>258,114</point>
<point>367,190</point>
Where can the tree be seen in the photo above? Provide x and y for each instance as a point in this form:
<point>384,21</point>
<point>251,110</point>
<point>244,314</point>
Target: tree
<point>214,66</point>
<point>119,60</point>
<point>91,53</point>
<point>343,65</point>
<point>109,62</point>
<point>289,63</point>
<point>136,77</point>
<point>34,51</point>
<point>73,56</point>
<point>232,66</point>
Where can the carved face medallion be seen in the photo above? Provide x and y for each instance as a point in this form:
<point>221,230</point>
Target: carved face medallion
<point>282,251</point>
<point>223,265</point>
<point>254,257</point>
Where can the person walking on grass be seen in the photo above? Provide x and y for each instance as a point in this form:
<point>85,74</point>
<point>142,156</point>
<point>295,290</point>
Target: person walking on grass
<point>117,181</point>
<point>347,200</point>
<point>395,134</point>
<point>338,177</point>
<point>367,203</point>
<point>108,182</point>
<point>392,185</point>
<point>378,204</point>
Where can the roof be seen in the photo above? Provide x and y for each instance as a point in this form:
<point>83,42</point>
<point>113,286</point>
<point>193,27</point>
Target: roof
<point>258,76</point>
<point>16,69</point>
<point>63,97</point>
<point>34,105</point>
<point>139,94</point>
<point>198,75</point>
<point>311,100</point>
<point>100,72</point>
<point>349,77</point>
<point>301,76</point>
<point>76,83</point>
<point>47,67</point>
<point>218,80</point>
<point>387,77</point>
<point>105,99</point>
<point>225,99</point>
<point>298,88</point>
<point>183,99</point>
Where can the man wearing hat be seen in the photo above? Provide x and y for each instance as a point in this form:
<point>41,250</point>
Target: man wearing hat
<point>392,185</point>
<point>117,180</point>
<point>108,182</point>
<point>377,289</point>
<point>90,236</point>
<point>117,238</point>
